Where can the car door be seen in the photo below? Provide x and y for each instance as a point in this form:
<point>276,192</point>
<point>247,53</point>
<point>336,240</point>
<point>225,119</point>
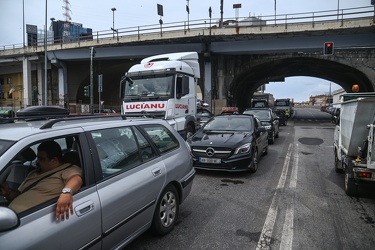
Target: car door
<point>275,123</point>
<point>38,228</point>
<point>129,189</point>
<point>261,137</point>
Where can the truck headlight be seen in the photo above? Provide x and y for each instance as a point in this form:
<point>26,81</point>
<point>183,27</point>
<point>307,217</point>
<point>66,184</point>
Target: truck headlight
<point>243,149</point>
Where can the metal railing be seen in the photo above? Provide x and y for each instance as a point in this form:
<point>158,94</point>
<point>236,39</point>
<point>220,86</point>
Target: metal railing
<point>208,25</point>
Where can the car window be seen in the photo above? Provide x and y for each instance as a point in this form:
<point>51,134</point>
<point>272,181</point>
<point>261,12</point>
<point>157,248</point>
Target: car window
<point>24,162</point>
<point>117,149</point>
<point>146,150</point>
<point>162,137</point>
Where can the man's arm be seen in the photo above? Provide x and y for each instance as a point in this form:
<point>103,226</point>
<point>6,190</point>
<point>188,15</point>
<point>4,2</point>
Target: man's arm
<point>65,201</point>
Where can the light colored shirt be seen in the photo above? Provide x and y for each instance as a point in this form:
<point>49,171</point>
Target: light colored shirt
<point>47,189</point>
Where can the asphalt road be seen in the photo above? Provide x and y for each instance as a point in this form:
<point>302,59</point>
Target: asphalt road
<point>294,201</point>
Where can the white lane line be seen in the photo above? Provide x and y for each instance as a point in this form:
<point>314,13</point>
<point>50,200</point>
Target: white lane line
<point>266,235</point>
<point>287,235</point>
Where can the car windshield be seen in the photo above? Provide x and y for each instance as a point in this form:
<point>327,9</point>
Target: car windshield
<point>4,145</point>
<point>260,114</point>
<point>229,124</point>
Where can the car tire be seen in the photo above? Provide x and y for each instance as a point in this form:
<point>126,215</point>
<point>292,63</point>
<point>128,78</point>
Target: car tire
<point>254,162</point>
<point>265,150</point>
<point>350,186</point>
<point>166,211</point>
<point>277,135</point>
<point>272,140</point>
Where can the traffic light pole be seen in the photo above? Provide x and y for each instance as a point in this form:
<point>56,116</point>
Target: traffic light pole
<point>91,81</point>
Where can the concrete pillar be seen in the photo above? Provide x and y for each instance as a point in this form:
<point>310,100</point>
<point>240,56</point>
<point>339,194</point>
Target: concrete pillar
<point>207,83</point>
<point>27,91</point>
<point>62,80</point>
<point>220,77</point>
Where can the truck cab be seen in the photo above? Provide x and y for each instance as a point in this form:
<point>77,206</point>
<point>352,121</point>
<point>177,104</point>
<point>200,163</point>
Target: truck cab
<point>163,86</point>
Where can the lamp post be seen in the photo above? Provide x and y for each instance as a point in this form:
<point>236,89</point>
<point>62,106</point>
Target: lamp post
<point>188,12</point>
<point>23,21</point>
<point>275,11</point>
<point>221,13</point>
<point>45,59</point>
<point>113,21</point>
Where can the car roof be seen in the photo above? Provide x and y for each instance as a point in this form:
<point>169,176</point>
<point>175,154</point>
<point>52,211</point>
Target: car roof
<point>234,115</point>
<point>259,109</point>
<point>23,128</point>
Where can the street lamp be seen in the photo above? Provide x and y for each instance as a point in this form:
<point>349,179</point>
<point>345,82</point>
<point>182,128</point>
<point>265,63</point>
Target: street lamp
<point>113,21</point>
<point>188,12</point>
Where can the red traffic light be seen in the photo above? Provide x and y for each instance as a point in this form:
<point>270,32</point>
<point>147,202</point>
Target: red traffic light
<point>328,48</point>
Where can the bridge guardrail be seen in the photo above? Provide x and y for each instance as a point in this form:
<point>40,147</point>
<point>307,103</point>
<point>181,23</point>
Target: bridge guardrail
<point>214,23</point>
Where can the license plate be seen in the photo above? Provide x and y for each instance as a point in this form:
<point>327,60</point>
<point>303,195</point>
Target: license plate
<point>210,160</point>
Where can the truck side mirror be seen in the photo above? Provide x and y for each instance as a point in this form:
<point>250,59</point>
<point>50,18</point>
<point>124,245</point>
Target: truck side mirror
<point>122,87</point>
<point>123,82</point>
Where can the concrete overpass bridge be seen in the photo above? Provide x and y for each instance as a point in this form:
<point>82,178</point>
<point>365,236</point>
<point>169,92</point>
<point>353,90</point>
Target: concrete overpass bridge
<point>236,59</point>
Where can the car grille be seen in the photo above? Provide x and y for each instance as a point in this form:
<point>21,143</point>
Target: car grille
<point>215,152</point>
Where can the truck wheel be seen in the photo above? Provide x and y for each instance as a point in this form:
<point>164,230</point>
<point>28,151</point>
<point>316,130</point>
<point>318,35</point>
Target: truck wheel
<point>166,211</point>
<point>338,166</point>
<point>351,188</point>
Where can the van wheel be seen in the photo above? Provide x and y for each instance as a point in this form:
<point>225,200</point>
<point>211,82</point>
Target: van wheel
<point>351,188</point>
<point>166,211</point>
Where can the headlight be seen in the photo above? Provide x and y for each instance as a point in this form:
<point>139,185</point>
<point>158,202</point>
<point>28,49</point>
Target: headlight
<point>243,149</point>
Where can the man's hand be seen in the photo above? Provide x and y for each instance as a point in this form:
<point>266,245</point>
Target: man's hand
<point>65,201</point>
<point>64,206</point>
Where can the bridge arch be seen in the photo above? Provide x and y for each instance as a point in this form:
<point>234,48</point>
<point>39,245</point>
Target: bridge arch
<point>252,74</point>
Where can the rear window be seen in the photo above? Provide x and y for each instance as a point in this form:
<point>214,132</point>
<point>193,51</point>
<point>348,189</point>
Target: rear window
<point>260,114</point>
<point>162,137</point>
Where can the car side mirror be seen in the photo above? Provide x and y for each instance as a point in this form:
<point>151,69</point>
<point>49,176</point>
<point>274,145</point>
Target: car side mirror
<point>262,129</point>
<point>8,219</point>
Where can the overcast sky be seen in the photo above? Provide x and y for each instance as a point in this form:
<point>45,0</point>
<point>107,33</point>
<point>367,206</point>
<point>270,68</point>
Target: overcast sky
<point>97,14</point>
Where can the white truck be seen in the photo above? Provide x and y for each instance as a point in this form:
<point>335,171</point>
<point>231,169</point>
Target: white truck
<point>163,86</point>
<point>354,140</point>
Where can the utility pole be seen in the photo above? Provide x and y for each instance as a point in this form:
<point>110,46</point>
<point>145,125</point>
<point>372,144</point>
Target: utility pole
<point>92,54</point>
<point>221,13</point>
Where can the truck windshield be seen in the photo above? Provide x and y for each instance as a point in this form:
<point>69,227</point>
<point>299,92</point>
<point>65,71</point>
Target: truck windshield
<point>158,86</point>
<point>281,103</point>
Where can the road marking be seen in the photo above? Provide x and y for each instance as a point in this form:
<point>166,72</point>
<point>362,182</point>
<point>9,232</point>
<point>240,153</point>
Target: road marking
<point>287,235</point>
<point>266,235</point>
